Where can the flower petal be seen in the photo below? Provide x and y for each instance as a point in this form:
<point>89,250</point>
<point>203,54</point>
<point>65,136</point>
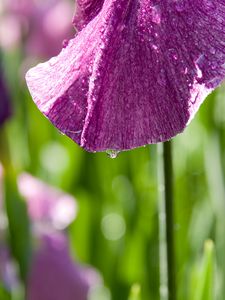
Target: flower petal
<point>47,205</point>
<point>54,275</point>
<point>85,11</point>
<point>136,74</point>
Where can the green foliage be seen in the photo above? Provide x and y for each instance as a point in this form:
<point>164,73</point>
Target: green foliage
<point>203,285</point>
<point>124,190</point>
<point>18,225</point>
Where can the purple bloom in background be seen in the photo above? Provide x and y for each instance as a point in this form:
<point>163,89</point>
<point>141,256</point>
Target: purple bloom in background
<point>8,274</point>
<point>36,24</point>
<point>135,74</point>
<point>54,276</point>
<point>5,108</point>
<point>48,207</point>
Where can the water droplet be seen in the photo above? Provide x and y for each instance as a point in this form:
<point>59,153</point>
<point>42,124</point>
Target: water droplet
<point>112,153</point>
<point>180,5</point>
<point>189,20</point>
<point>156,15</point>
<point>102,46</point>
<point>213,65</point>
<point>199,72</point>
<point>173,53</point>
<point>154,47</point>
<point>212,50</point>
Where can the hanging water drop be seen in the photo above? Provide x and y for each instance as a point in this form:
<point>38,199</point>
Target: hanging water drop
<point>112,153</point>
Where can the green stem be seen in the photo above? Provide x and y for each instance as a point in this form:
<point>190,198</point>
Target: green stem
<point>166,223</point>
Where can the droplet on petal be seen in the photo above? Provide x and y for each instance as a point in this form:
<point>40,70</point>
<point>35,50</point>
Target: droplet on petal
<point>112,153</point>
<point>122,99</point>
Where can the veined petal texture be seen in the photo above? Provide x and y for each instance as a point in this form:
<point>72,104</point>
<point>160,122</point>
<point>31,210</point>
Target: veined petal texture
<point>135,74</point>
<point>85,11</point>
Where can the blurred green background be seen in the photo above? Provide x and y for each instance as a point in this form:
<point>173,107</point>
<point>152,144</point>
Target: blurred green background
<point>117,226</point>
<point>116,229</point>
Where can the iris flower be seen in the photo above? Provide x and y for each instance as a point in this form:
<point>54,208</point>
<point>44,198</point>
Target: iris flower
<point>135,73</point>
<point>54,275</point>
<point>36,24</point>
<point>48,207</point>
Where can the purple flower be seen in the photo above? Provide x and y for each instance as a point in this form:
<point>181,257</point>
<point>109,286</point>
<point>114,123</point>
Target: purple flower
<point>37,24</point>
<point>48,207</point>
<point>8,274</point>
<point>136,72</point>
<point>5,108</point>
<point>54,275</point>
<point>86,10</point>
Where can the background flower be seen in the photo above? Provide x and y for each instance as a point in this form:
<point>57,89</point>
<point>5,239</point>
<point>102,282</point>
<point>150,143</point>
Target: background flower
<point>54,275</point>
<point>48,207</point>
<point>37,24</point>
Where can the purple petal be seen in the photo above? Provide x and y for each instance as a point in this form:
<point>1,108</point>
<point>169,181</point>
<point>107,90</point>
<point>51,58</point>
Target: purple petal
<point>8,274</point>
<point>5,108</point>
<point>86,10</point>
<point>136,74</point>
<point>54,275</point>
<point>47,205</point>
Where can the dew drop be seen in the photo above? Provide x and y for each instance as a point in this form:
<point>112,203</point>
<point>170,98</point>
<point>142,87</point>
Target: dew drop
<point>189,20</point>
<point>102,46</point>
<point>212,50</point>
<point>154,47</point>
<point>156,15</point>
<point>199,72</point>
<point>173,53</point>
<point>112,153</point>
<point>213,65</point>
<point>180,5</point>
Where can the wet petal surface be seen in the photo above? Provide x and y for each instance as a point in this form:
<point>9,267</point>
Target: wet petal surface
<point>136,74</point>
<point>85,11</point>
